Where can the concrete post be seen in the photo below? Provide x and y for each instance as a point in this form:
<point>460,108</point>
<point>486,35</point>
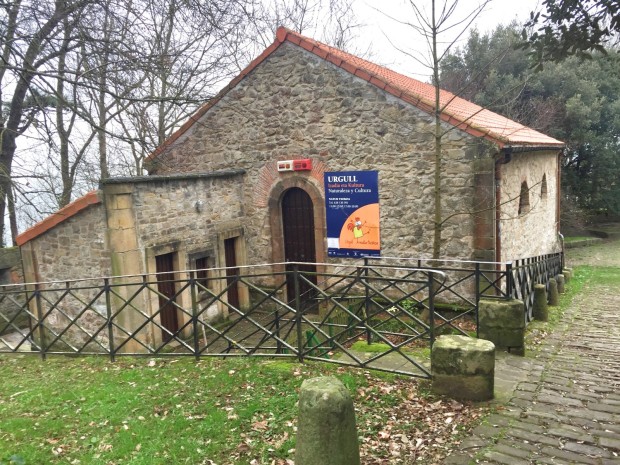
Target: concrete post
<point>503,323</point>
<point>463,368</point>
<point>326,431</point>
<point>540,310</point>
<point>568,274</point>
<point>554,296</point>
<point>561,280</point>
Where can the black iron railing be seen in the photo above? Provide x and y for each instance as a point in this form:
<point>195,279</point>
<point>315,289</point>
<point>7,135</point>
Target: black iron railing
<point>523,274</point>
<point>378,313</point>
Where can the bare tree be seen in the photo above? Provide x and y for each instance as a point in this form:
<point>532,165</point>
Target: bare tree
<point>98,85</point>
<point>197,46</point>
<point>30,32</point>
<point>441,20</point>
<point>190,49</point>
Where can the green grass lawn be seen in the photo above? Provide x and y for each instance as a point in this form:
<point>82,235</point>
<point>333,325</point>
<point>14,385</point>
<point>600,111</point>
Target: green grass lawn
<point>233,411</point>
<point>88,410</point>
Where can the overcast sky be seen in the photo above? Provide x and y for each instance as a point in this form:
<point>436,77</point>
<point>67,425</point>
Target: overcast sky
<point>382,35</point>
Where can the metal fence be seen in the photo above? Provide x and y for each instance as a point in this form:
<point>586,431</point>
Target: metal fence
<point>523,274</point>
<point>377,313</point>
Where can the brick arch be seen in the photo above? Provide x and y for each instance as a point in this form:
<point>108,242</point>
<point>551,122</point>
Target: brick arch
<point>315,192</point>
<point>268,175</point>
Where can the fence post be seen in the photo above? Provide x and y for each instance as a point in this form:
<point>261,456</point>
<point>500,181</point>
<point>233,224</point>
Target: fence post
<point>298,313</point>
<point>477,297</point>
<point>509,281</point>
<point>108,308</point>
<point>367,303</point>
<point>192,285</point>
<point>277,326</point>
<point>37,297</point>
<point>431,307</point>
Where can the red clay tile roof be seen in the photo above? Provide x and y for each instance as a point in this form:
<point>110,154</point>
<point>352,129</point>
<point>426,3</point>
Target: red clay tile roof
<point>458,112</point>
<point>61,215</point>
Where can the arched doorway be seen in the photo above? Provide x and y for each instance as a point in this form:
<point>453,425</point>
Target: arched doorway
<point>299,244</point>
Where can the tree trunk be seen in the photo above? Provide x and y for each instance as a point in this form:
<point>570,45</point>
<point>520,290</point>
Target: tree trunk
<point>102,111</point>
<point>12,216</point>
<point>437,225</point>
<point>67,183</point>
<point>6,161</point>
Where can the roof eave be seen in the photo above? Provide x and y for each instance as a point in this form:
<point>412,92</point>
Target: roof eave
<point>532,148</point>
<point>92,198</point>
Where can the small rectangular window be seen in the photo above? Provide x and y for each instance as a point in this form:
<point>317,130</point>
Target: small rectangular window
<point>202,271</point>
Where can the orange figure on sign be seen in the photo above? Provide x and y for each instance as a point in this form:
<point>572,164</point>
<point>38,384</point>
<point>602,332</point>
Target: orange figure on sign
<point>361,230</point>
<point>356,227</point>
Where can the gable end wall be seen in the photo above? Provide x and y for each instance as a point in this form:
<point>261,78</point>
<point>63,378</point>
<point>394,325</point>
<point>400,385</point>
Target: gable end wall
<point>295,105</point>
<point>534,232</point>
<point>74,249</point>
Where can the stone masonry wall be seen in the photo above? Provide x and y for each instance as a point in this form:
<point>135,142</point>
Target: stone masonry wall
<point>192,211</point>
<point>295,105</point>
<point>74,249</point>
<point>533,232</point>
<point>11,276</point>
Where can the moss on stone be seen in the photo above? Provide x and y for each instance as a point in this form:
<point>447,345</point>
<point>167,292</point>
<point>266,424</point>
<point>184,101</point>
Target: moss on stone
<point>326,433</point>
<point>540,310</point>
<point>476,388</point>
<point>502,322</point>
<point>554,296</point>
<point>462,355</point>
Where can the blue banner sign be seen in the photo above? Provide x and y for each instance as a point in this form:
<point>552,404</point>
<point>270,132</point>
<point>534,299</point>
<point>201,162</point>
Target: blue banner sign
<point>352,213</point>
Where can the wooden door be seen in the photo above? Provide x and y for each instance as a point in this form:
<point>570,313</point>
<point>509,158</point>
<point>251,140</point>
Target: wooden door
<point>298,226</point>
<point>164,265</point>
<point>231,271</point>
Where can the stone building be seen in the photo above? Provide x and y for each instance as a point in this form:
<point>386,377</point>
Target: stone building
<point>11,277</point>
<point>215,196</point>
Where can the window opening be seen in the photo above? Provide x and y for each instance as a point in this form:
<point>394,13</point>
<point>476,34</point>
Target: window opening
<point>524,199</point>
<point>202,274</point>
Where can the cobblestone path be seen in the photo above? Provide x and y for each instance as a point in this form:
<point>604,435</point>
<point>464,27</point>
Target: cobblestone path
<point>567,411</point>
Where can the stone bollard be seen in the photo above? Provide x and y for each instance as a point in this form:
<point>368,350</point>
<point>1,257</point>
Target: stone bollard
<point>463,368</point>
<point>326,432</point>
<point>561,280</point>
<point>554,296</point>
<point>568,274</point>
<point>503,323</point>
<point>540,310</point>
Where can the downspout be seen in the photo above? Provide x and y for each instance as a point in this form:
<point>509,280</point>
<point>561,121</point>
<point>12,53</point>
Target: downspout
<point>558,197</point>
<point>558,191</point>
<point>498,241</point>
<point>504,157</point>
